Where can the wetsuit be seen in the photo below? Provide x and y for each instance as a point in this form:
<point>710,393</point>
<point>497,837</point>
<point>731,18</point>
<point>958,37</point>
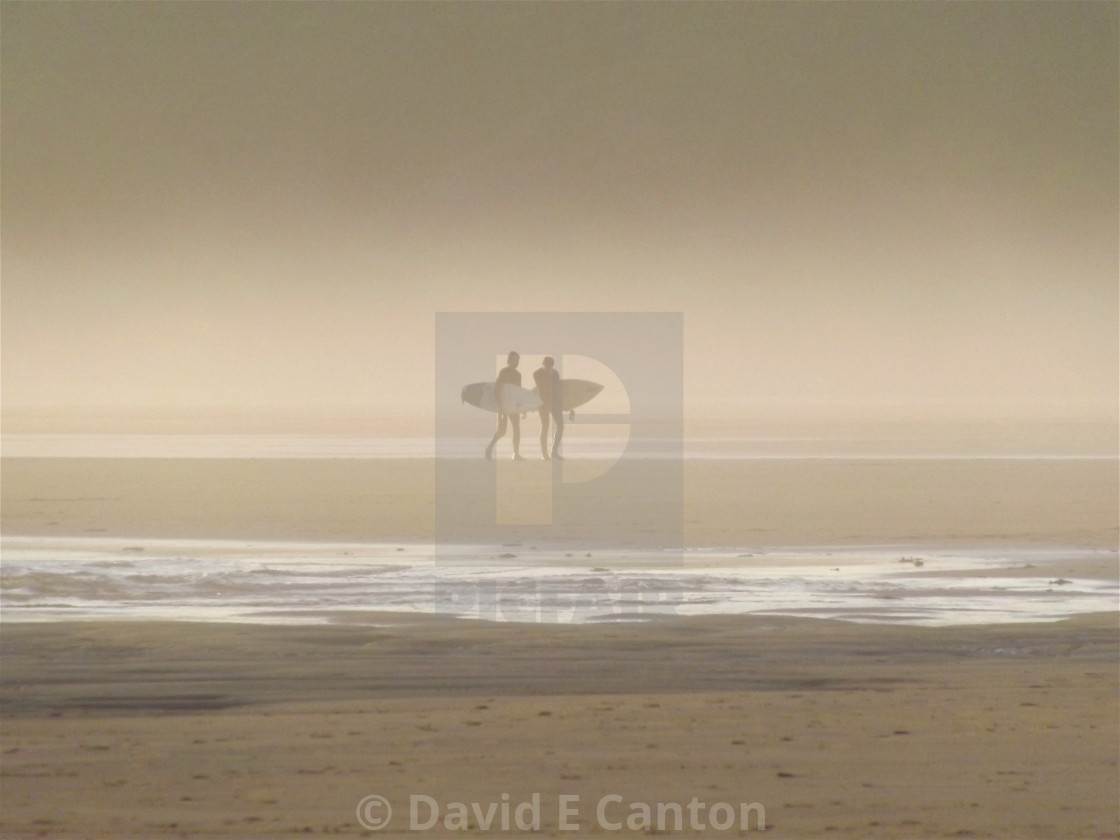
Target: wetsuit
<point>548,386</point>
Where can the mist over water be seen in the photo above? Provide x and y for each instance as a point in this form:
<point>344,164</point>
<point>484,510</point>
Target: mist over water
<point>861,210</point>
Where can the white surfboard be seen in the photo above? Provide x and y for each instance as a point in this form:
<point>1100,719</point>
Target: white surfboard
<point>515,400</point>
<point>576,392</point>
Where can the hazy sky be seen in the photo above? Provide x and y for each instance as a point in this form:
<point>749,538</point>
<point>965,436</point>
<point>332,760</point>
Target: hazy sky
<point>883,206</point>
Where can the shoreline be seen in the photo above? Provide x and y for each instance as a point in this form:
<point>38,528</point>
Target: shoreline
<point>246,524</point>
<point>299,583</point>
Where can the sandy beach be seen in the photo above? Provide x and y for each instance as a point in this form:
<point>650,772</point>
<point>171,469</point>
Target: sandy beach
<point>838,730</point>
<point>168,729</point>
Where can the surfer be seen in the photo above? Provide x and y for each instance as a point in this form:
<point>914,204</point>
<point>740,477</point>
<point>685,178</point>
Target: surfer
<point>548,386</point>
<point>508,375</point>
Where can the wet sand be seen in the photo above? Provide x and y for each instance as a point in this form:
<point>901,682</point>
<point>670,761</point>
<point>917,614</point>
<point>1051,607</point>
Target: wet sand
<point>147,729</point>
<point>726,503</point>
<point>838,730</point>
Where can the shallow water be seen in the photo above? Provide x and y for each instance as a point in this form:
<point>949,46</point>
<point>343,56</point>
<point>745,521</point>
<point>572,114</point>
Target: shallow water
<point>46,579</point>
<point>578,443</point>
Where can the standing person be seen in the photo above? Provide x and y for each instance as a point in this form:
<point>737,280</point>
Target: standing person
<point>548,386</point>
<point>508,375</point>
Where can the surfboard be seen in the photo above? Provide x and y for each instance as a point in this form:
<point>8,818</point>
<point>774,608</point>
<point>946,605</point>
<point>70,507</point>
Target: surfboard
<point>576,392</point>
<point>515,400</point>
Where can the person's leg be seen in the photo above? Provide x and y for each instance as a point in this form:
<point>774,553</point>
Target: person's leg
<point>515,420</point>
<point>544,433</point>
<point>559,418</point>
<point>501,431</point>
